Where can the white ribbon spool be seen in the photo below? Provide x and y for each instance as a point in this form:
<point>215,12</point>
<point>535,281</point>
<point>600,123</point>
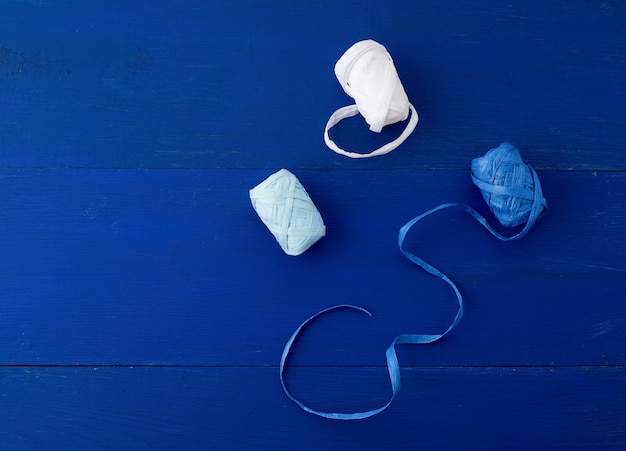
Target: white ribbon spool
<point>367,74</point>
<point>288,212</point>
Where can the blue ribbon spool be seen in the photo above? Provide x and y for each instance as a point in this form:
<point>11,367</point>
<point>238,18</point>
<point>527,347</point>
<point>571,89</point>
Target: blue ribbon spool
<point>509,185</point>
<point>511,188</point>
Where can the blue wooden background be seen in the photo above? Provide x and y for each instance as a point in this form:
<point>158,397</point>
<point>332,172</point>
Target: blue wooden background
<point>145,306</point>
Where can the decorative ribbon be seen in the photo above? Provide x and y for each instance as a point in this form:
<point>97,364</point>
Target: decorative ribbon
<point>288,212</point>
<point>367,74</point>
<point>522,194</point>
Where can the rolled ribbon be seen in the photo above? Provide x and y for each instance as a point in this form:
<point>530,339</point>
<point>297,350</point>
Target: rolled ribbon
<point>288,212</point>
<point>511,187</point>
<point>367,74</point>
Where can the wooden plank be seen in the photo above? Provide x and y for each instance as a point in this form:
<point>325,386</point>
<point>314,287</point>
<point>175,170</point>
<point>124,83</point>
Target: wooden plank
<point>244,408</point>
<point>234,85</point>
<point>174,267</point>
<point>113,255</point>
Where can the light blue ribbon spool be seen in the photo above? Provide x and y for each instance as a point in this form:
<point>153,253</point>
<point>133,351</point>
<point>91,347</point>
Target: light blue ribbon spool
<point>511,188</point>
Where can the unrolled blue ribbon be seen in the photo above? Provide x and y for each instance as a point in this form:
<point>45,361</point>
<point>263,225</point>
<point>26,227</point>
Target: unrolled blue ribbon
<point>538,206</point>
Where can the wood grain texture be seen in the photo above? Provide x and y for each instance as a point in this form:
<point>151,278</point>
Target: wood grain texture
<point>222,84</point>
<point>243,408</point>
<point>162,266</point>
<point>145,305</point>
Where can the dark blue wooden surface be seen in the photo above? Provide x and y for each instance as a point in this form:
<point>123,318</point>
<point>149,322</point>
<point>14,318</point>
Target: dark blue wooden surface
<point>145,306</point>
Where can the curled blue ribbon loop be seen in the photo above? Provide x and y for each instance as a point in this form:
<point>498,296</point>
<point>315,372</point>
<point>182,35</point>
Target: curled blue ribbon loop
<point>511,188</point>
<point>393,365</point>
<point>395,376</point>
